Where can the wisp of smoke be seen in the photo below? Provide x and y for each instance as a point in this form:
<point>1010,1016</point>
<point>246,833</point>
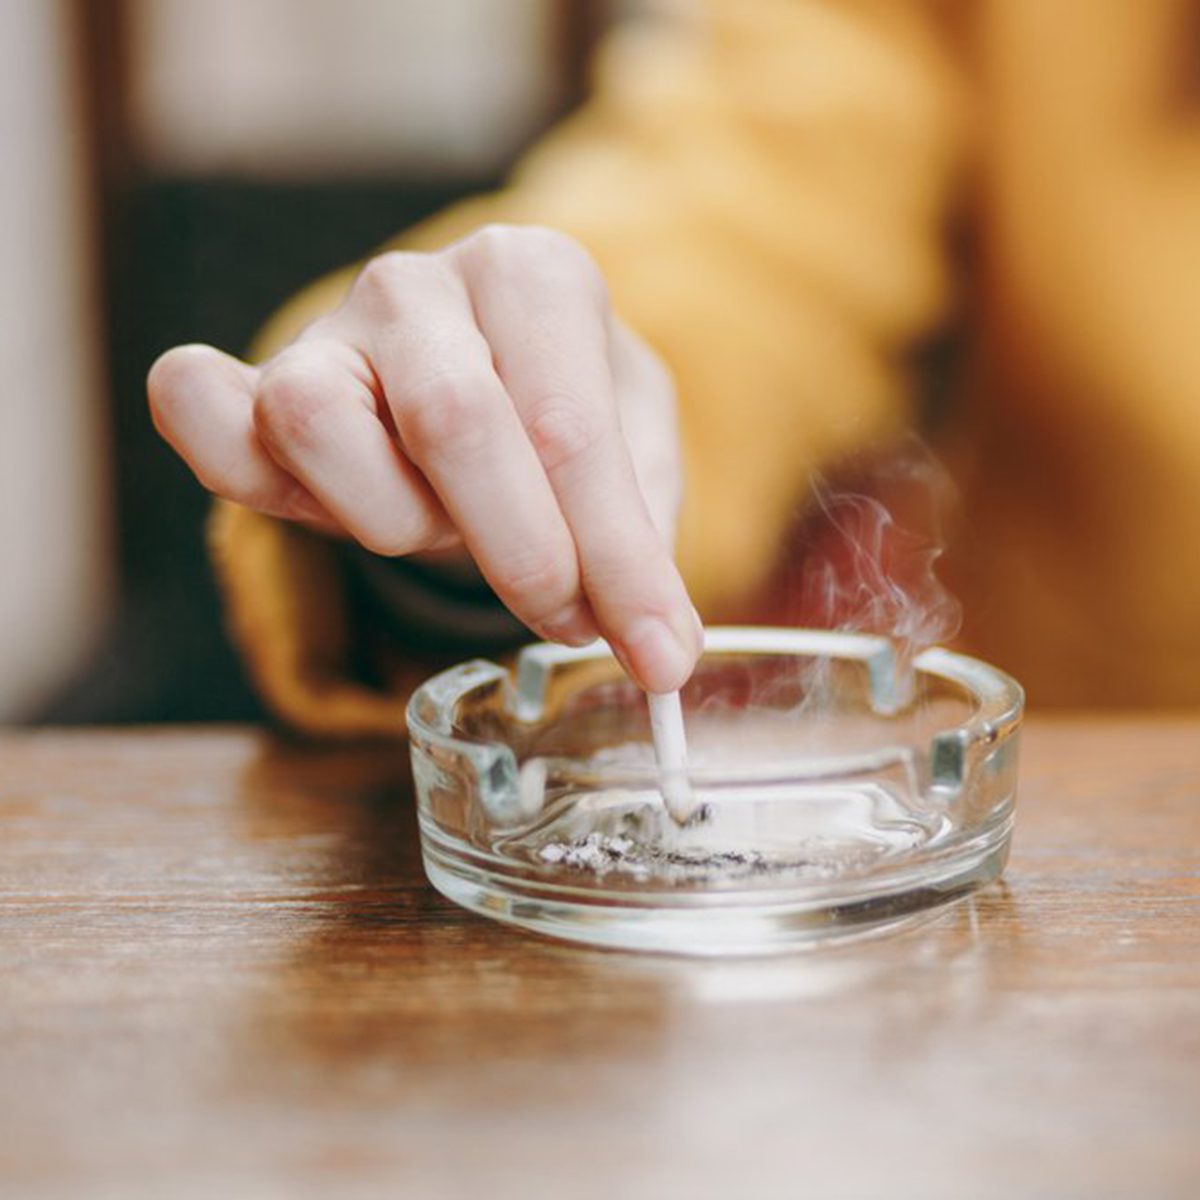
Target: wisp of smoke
<point>865,552</point>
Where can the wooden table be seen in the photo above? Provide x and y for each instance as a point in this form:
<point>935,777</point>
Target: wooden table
<point>222,974</point>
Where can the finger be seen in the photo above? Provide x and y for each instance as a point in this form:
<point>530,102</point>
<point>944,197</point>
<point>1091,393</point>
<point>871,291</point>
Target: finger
<point>315,412</point>
<point>456,422</point>
<point>647,411</point>
<point>541,307</point>
<point>202,403</point>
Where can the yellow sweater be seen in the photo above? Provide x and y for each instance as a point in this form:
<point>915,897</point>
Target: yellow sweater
<point>769,188</point>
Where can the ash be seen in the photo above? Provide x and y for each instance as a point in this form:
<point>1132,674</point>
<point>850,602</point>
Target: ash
<point>606,853</point>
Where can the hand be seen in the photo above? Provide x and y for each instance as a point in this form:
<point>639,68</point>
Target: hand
<point>482,397</point>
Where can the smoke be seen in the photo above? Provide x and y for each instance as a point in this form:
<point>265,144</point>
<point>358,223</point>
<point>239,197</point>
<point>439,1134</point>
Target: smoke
<point>863,559</point>
<point>866,553</point>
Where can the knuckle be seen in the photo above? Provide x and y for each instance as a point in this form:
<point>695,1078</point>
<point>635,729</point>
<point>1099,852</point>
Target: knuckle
<point>538,251</point>
<point>383,277</point>
<point>448,410</point>
<point>497,243</point>
<point>539,585</point>
<point>290,404</point>
<point>563,430</point>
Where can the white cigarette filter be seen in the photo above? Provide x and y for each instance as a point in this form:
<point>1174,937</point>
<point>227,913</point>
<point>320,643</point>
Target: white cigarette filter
<point>670,751</point>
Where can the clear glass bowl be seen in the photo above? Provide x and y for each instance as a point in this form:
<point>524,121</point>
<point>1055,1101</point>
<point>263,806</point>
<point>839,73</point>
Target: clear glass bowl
<point>841,790</point>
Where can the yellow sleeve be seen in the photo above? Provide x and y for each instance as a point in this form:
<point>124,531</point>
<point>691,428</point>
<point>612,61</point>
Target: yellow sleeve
<point>764,186</point>
<point>1082,468</point>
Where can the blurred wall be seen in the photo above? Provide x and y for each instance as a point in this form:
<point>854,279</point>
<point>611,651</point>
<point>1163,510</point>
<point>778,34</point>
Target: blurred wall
<point>54,537</point>
<point>301,88</point>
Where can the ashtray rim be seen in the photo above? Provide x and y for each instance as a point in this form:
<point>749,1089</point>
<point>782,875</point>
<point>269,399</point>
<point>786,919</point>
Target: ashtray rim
<point>998,698</point>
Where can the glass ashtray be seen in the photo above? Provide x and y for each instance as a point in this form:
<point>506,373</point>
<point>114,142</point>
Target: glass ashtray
<point>839,790</point>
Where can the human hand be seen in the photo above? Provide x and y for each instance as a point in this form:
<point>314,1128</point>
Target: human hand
<point>482,397</point>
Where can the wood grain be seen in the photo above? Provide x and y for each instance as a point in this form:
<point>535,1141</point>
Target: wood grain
<point>222,974</point>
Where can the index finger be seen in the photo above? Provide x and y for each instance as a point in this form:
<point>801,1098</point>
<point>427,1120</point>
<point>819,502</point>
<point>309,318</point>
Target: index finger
<point>541,306</point>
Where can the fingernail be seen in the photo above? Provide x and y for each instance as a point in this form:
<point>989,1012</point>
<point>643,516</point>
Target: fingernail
<point>574,626</point>
<point>660,658</point>
<point>699,629</point>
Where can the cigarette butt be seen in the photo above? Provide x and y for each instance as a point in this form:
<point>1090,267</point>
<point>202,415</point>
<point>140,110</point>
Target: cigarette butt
<point>670,751</point>
<point>531,787</point>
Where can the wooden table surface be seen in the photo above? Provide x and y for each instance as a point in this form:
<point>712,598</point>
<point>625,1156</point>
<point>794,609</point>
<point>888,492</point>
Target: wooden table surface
<point>222,974</point>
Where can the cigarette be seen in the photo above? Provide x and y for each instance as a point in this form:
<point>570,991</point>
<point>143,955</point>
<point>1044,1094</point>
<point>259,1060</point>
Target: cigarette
<point>670,749</point>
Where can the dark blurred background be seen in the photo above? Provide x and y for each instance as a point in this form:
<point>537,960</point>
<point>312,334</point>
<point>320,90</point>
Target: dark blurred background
<point>217,157</point>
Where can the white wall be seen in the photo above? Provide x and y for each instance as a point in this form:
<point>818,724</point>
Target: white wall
<point>54,539</point>
<point>311,88</point>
